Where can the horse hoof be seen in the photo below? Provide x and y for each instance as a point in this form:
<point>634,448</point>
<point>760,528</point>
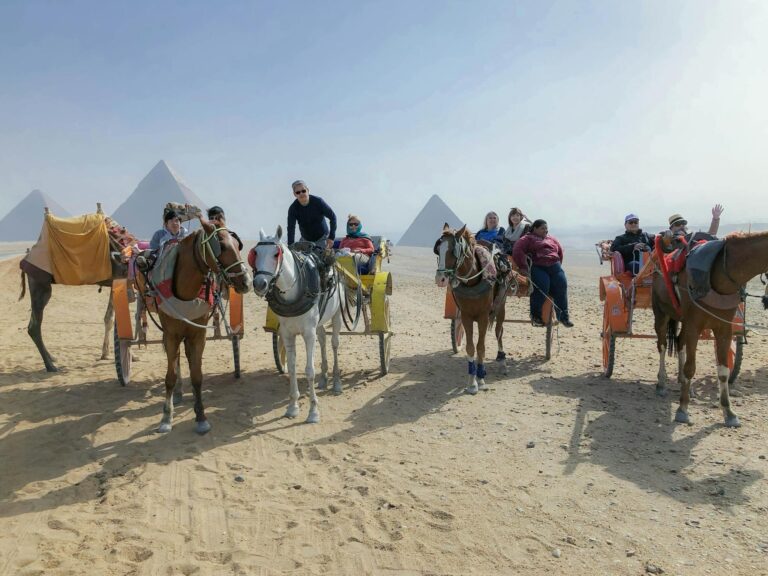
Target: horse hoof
<point>682,417</point>
<point>164,428</point>
<point>292,412</point>
<point>322,383</point>
<point>51,368</point>
<point>202,427</point>
<point>313,418</point>
<point>501,356</point>
<point>471,390</point>
<point>481,385</point>
<point>337,388</point>
<point>661,392</point>
<point>732,421</point>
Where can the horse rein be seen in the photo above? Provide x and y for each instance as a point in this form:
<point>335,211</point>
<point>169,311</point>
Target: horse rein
<point>460,258</point>
<point>210,244</point>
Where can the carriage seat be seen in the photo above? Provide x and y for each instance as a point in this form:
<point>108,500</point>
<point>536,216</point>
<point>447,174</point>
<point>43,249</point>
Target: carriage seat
<point>379,252</point>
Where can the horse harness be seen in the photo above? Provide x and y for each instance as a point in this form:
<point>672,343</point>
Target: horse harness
<point>307,279</point>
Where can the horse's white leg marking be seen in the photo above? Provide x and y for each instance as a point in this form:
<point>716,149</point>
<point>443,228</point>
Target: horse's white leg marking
<point>309,341</point>
<point>322,380</point>
<point>661,380</point>
<point>289,340</point>
<point>731,420</point>
<point>335,346</point>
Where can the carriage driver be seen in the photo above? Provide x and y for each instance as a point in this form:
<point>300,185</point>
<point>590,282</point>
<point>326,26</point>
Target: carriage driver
<point>633,240</point>
<point>310,212</point>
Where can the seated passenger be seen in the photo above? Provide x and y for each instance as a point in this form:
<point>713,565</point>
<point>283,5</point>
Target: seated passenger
<point>171,230</point>
<point>357,242</point>
<point>678,224</point>
<point>490,232</point>
<point>631,243</point>
<point>518,225</point>
<point>546,271</point>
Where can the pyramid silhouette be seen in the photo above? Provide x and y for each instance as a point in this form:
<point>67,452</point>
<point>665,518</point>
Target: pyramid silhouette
<point>25,220</point>
<point>142,211</point>
<point>428,224</point>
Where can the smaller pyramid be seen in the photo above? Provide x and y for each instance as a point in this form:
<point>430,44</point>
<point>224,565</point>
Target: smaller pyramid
<point>24,221</point>
<point>142,211</point>
<point>428,224</point>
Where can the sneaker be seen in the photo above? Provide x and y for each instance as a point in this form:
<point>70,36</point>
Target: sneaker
<point>567,323</point>
<point>537,322</point>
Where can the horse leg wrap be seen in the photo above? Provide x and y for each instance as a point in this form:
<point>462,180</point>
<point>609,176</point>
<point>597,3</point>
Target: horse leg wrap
<point>471,368</point>
<point>481,371</point>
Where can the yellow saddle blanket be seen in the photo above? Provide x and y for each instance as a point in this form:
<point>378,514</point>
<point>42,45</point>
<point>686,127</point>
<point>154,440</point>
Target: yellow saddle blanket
<point>74,250</point>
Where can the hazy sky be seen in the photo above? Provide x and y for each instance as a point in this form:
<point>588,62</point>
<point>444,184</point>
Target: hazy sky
<point>576,111</point>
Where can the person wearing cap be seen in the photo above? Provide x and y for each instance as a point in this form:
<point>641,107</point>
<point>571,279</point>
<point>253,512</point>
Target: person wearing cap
<point>310,213</point>
<point>678,224</point>
<point>632,242</point>
<point>171,230</point>
<point>217,217</point>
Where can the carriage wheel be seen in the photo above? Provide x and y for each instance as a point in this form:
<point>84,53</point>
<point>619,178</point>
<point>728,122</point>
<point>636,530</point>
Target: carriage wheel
<point>385,350</point>
<point>122,359</point>
<point>236,353</point>
<point>457,334</point>
<point>278,351</point>
<point>735,354</point>
<point>609,352</point>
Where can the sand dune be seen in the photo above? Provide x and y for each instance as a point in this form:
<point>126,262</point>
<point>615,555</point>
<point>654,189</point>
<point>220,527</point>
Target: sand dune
<point>554,470</point>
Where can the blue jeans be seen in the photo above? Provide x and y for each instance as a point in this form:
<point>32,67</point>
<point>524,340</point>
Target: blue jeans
<point>549,280</point>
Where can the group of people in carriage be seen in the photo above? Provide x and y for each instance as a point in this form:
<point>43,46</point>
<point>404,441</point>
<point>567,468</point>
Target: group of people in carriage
<point>534,252</point>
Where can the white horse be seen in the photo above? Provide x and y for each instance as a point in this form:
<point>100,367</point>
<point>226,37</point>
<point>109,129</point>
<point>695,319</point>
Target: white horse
<point>291,284</point>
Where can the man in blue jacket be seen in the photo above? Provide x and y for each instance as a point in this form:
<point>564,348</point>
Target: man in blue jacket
<point>310,212</point>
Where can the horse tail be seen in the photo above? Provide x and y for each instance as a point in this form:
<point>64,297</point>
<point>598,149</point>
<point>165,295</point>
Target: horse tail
<point>23,285</point>
<point>673,340</point>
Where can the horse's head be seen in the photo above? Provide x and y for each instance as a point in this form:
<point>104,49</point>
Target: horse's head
<point>221,254</point>
<point>450,249</point>
<point>266,260</point>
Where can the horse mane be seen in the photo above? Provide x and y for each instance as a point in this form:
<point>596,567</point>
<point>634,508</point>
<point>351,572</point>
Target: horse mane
<point>739,236</point>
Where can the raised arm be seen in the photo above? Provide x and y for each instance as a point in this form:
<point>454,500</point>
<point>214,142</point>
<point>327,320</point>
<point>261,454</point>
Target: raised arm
<point>717,209</point>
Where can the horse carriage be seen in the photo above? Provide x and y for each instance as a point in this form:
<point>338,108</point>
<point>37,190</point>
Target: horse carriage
<point>368,288</point>
<point>520,288</point>
<point>622,293</point>
<point>134,305</point>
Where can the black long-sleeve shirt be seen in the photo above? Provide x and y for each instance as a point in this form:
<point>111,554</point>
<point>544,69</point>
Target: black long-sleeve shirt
<point>625,244</point>
<point>311,219</point>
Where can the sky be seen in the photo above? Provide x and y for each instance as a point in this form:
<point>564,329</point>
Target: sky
<point>578,112</point>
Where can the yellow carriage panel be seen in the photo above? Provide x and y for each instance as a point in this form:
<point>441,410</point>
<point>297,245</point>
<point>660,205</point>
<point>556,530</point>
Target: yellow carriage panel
<point>122,311</point>
<point>381,289</point>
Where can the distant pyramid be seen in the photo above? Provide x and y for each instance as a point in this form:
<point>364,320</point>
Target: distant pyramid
<point>428,224</point>
<point>25,220</point>
<point>142,212</point>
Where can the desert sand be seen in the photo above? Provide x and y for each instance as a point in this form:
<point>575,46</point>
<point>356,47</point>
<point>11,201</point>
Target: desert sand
<point>552,470</point>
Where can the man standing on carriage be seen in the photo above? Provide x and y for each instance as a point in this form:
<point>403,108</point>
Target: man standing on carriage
<point>311,212</point>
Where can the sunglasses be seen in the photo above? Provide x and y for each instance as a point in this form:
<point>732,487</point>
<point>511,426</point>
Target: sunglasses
<point>680,224</point>
<point>300,192</point>
<point>633,221</point>
<point>355,224</point>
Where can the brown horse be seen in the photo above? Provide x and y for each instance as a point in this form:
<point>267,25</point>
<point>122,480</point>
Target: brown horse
<point>475,297</point>
<point>207,253</point>
<point>743,257</point>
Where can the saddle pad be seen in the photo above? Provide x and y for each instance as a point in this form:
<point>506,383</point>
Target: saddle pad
<point>78,249</point>
<point>161,277</point>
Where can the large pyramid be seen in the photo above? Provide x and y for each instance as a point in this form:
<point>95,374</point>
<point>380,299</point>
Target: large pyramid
<point>428,224</point>
<point>142,212</point>
<point>25,220</point>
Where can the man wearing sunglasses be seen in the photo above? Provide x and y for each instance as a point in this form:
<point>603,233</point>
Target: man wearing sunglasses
<point>310,212</point>
<point>632,243</point>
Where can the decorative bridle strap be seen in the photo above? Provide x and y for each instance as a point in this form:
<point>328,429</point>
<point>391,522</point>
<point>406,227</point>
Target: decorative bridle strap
<point>210,245</point>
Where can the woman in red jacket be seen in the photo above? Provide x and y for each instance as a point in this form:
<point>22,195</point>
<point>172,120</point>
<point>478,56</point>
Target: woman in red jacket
<point>546,272</point>
<point>356,241</point>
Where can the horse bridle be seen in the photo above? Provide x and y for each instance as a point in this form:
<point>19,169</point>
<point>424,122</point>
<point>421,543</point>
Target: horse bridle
<point>210,244</point>
<point>461,250</point>
<point>271,282</point>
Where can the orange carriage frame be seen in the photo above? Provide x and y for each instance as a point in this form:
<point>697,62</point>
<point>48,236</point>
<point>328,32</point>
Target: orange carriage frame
<point>622,294</point>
